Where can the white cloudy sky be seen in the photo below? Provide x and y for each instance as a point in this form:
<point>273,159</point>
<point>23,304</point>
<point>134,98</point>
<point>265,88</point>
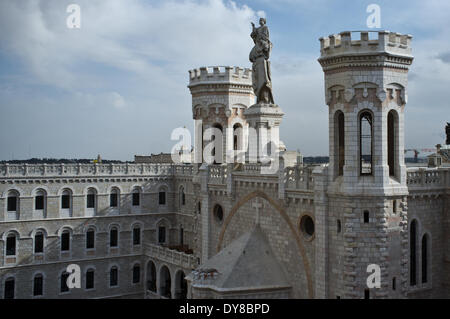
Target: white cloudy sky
<point>117,86</point>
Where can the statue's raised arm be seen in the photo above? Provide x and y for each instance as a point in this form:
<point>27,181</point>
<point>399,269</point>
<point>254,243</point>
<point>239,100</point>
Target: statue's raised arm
<point>259,56</point>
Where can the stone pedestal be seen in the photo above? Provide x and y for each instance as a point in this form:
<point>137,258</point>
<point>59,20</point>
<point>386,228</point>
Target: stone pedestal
<point>264,131</point>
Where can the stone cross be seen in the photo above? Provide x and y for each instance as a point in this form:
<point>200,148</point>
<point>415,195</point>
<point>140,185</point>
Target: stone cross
<point>257,205</point>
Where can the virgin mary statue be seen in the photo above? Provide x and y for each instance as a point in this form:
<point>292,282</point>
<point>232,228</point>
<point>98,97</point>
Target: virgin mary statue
<point>259,56</point>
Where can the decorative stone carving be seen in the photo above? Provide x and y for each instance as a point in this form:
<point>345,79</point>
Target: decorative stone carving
<point>382,95</point>
<point>348,94</point>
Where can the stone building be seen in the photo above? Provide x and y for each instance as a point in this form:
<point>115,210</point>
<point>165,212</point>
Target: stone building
<point>166,230</point>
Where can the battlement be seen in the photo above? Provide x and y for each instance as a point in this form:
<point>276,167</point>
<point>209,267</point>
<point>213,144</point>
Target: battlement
<point>220,74</point>
<point>364,43</point>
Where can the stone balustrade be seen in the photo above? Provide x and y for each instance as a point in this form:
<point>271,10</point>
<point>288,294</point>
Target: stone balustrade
<point>171,256</point>
<point>428,178</point>
<point>72,170</point>
<point>218,174</point>
<point>298,177</point>
<point>295,177</point>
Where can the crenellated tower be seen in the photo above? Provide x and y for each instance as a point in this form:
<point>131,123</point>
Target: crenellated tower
<point>219,97</point>
<point>366,93</point>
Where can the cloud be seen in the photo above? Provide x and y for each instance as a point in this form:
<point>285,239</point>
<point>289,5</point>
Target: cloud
<point>444,57</point>
<point>145,39</point>
<point>99,100</point>
<point>117,100</point>
<point>129,56</point>
<point>122,77</point>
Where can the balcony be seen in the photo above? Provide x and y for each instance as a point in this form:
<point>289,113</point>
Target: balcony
<point>184,259</point>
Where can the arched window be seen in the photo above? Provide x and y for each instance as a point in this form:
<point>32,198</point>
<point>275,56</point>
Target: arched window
<point>338,225</point>
<point>113,237</point>
<point>11,242</point>
<point>91,198</point>
<point>425,258</point>
<point>38,285</point>
<point>217,139</point>
<point>391,140</point>
<point>136,200</point>
<point>113,277</point>
<point>40,200</point>
<point>413,255</point>
<point>162,196</point>
<point>39,242</point>
<point>136,274</point>
<point>180,285</point>
<point>182,196</point>
<point>90,238</point>
<point>181,236</point>
<point>237,137</point>
<point>218,213</point>
<point>151,276</point>
<point>10,284</point>
<point>136,236</point>
<point>13,205</point>
<point>13,201</point>
<point>66,199</point>
<point>365,142</point>
<point>90,279</point>
<point>114,198</point>
<point>161,234</point>
<point>199,208</point>
<point>65,240</point>
<point>339,121</point>
<point>238,142</point>
<point>63,282</point>
<point>165,282</point>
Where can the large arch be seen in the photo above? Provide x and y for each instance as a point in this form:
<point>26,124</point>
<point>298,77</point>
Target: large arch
<point>284,215</point>
<point>151,276</point>
<point>165,283</point>
<point>180,285</point>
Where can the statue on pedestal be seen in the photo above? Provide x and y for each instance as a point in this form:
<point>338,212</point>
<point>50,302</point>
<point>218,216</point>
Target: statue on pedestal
<point>259,56</point>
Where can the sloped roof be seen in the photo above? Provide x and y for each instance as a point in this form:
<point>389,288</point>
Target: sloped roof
<point>248,262</point>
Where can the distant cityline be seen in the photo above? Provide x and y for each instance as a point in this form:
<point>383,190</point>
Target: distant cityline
<point>306,160</point>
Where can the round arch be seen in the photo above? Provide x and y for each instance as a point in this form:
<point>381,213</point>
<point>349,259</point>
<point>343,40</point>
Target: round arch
<point>151,276</point>
<point>13,189</point>
<point>180,285</point>
<point>68,188</point>
<point>284,215</point>
<point>165,282</point>
<point>42,188</point>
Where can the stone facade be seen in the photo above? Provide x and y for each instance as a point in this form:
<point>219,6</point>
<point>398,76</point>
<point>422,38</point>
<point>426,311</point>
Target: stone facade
<point>324,223</point>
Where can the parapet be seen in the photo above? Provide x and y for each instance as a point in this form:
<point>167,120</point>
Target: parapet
<point>365,42</point>
<point>220,74</point>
